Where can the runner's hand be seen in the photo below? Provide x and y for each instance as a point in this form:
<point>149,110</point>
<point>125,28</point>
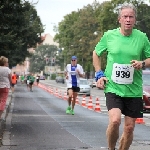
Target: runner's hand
<point>78,71</point>
<point>136,64</point>
<point>66,75</point>
<point>101,82</point>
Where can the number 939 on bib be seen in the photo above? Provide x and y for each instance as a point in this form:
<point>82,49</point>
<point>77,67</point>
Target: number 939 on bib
<point>122,73</point>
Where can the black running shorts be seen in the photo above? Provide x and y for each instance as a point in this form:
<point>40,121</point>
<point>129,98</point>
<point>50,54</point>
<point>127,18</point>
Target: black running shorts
<point>12,85</point>
<point>31,83</point>
<point>74,89</point>
<point>129,106</point>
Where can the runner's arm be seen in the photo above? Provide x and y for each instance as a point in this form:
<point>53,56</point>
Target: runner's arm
<point>66,73</point>
<point>147,62</point>
<point>138,64</point>
<point>82,75</point>
<point>9,77</point>
<point>96,61</point>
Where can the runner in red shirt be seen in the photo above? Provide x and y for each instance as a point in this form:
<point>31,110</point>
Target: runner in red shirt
<point>13,81</point>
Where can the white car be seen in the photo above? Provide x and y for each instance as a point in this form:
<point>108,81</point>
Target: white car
<point>85,88</point>
<point>92,82</point>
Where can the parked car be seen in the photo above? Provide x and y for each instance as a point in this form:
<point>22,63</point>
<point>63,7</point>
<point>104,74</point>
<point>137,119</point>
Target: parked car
<point>42,77</point>
<point>85,88</point>
<point>146,90</point>
<point>60,79</point>
<point>92,82</point>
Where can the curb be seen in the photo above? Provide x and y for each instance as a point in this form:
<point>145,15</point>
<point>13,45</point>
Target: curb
<point>5,113</point>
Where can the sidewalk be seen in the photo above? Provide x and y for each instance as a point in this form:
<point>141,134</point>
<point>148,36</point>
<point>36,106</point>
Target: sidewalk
<point>4,115</point>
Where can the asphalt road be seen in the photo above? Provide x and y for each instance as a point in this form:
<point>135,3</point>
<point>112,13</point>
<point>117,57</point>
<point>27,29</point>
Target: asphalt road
<point>37,121</point>
<point>95,93</point>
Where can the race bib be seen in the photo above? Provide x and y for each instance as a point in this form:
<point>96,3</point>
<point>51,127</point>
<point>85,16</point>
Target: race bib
<point>122,73</point>
<point>73,72</point>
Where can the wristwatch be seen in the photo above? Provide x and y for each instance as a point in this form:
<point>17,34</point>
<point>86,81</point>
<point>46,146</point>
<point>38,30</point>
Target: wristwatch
<point>143,65</point>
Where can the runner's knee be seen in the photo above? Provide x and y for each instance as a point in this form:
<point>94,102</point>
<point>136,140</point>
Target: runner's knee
<point>129,128</point>
<point>115,123</point>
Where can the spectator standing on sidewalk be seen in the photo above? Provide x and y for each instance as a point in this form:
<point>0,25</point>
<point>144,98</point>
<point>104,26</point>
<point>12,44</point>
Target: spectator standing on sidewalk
<point>128,52</point>
<point>73,72</point>
<point>5,80</point>
<point>13,81</point>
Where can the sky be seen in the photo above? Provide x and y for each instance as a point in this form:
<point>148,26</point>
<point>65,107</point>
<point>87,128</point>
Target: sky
<point>52,12</point>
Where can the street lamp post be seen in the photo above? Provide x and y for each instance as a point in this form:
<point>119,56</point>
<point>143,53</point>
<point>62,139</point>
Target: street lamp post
<point>59,52</point>
<point>64,58</point>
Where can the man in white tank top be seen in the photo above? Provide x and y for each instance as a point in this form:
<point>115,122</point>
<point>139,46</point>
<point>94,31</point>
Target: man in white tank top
<point>73,72</point>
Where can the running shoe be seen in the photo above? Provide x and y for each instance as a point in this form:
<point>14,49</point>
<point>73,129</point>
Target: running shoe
<point>68,110</point>
<point>72,112</point>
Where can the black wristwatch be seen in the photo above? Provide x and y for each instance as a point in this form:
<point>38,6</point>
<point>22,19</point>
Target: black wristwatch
<point>143,65</point>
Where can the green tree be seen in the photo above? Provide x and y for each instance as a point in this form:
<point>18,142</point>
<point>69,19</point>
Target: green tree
<point>143,18</point>
<point>75,35</point>
<point>20,28</point>
<point>43,56</point>
<point>65,34</point>
<point>75,32</point>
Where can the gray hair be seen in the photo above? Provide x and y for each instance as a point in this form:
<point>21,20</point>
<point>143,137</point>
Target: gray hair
<point>127,5</point>
<point>3,60</point>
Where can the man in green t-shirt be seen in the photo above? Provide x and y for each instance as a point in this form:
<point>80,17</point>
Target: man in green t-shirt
<point>22,78</point>
<point>27,80</point>
<point>31,81</point>
<point>128,52</point>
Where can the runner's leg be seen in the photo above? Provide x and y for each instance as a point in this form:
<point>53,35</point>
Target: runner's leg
<point>127,136</point>
<point>74,99</point>
<point>112,131</point>
<point>70,93</point>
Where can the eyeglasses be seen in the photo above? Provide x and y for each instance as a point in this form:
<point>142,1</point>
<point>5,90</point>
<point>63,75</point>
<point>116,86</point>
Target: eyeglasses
<point>73,60</point>
<point>125,17</point>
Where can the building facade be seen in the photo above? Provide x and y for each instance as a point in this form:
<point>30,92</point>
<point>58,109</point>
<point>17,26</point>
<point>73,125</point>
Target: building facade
<point>24,68</point>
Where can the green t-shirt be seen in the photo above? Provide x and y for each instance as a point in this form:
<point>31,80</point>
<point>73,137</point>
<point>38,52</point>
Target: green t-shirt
<point>121,50</point>
<point>28,77</point>
<point>22,77</point>
<point>31,78</point>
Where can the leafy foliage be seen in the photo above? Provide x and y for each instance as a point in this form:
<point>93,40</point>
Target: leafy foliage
<point>75,32</point>
<point>20,28</point>
<point>43,56</point>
